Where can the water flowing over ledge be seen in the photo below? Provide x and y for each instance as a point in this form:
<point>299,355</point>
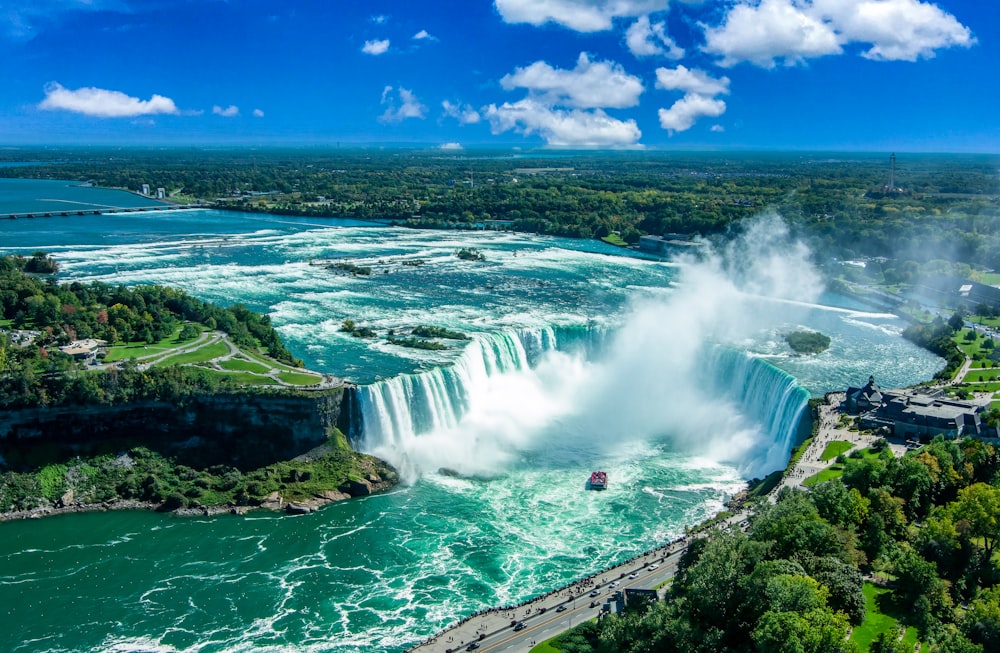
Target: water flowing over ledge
<point>747,408</point>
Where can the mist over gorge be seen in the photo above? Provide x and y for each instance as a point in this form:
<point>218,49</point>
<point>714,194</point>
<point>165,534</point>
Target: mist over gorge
<point>664,374</point>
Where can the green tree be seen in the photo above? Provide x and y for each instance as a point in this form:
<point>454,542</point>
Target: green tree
<point>816,631</point>
<point>979,506</point>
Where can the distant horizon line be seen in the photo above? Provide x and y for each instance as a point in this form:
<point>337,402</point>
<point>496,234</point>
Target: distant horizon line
<point>476,147</point>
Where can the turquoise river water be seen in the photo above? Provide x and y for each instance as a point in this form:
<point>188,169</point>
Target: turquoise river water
<point>672,377</point>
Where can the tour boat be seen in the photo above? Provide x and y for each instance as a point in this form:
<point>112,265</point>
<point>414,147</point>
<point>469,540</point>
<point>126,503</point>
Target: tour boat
<point>598,481</point>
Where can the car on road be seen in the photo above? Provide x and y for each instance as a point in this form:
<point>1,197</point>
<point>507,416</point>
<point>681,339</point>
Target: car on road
<point>520,626</point>
<point>561,608</point>
<point>633,575</point>
<point>653,567</point>
<point>613,583</point>
<point>594,604</point>
<point>472,647</point>
<point>595,592</point>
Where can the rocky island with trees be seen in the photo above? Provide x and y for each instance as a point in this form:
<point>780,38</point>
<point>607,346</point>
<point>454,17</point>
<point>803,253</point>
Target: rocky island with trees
<point>170,432</point>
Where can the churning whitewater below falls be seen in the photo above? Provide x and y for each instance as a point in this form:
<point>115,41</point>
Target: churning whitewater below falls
<point>674,380</point>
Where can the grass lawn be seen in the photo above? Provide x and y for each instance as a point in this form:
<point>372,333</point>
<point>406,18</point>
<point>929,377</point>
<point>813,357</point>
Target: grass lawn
<point>828,474</point>
<point>242,365</point>
<point>140,348</point>
<point>876,621</point>
<point>299,379</point>
<point>615,239</point>
<point>200,355</point>
<point>241,378</point>
<point>834,449</point>
<point>270,362</point>
<point>5,324</point>
<point>797,453</point>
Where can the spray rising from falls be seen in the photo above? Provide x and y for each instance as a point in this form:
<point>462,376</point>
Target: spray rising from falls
<point>671,371</point>
<point>515,392</point>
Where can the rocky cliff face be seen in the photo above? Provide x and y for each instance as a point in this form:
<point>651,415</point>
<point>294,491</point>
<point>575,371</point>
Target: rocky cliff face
<point>245,430</point>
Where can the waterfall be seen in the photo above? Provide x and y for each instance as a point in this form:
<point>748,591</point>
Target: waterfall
<point>403,407</point>
<point>765,394</point>
<point>730,394</point>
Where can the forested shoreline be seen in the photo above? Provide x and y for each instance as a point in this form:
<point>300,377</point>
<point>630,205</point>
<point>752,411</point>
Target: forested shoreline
<point>839,202</point>
<point>924,526</point>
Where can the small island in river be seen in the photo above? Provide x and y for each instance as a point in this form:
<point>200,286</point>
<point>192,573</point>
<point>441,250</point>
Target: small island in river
<point>807,342</point>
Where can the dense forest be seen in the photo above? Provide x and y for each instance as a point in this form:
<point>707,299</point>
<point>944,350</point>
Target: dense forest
<point>942,207</point>
<point>925,526</point>
<point>38,373</point>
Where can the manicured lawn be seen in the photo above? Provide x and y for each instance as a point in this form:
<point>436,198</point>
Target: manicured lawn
<point>834,449</point>
<point>241,365</point>
<point>296,378</point>
<point>139,349</point>
<point>201,355</point>
<point>241,378</point>
<point>270,362</point>
<point>828,474</point>
<point>615,239</point>
<point>876,621</point>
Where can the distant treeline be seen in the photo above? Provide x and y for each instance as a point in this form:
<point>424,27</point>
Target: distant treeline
<point>947,209</point>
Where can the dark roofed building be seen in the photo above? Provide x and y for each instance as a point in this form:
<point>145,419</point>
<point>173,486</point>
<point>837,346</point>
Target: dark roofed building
<point>861,400</point>
<point>917,414</point>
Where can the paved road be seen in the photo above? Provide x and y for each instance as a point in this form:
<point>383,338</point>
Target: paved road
<point>541,616</point>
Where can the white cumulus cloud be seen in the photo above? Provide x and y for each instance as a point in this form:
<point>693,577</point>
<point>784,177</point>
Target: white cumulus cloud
<point>404,104</point>
<point>896,29</point>
<point>688,80</point>
<point>645,39</point>
<point>561,127</point>
<point>764,32</point>
<point>699,99</point>
<point>103,103</point>
<point>463,113</point>
<point>229,112</point>
<point>375,47</point>
<point>257,113</point>
<point>687,110</point>
<point>578,15</point>
<point>423,34</point>
<point>761,32</point>
<point>451,146</point>
<point>718,129</point>
<point>590,84</point>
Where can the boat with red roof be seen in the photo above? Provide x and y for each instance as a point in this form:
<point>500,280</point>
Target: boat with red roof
<point>598,481</point>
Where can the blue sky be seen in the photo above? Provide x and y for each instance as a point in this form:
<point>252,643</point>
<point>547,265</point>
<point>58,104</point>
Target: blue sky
<point>907,75</point>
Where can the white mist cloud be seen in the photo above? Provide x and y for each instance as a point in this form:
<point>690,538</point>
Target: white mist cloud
<point>654,383</point>
<point>451,146</point>
<point>375,47</point>
<point>257,113</point>
<point>103,103</point>
<point>423,35</point>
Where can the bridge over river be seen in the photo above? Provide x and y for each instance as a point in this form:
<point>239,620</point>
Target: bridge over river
<point>101,210</point>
